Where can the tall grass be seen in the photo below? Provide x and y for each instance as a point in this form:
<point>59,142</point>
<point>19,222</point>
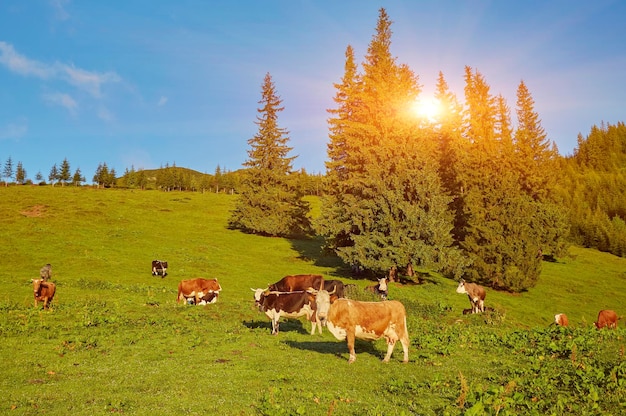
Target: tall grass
<point>115,340</point>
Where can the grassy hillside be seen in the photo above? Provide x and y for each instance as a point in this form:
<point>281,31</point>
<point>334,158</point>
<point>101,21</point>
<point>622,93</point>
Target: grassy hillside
<point>117,342</point>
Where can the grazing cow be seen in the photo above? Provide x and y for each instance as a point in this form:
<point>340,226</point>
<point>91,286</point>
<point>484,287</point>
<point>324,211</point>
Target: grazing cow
<point>296,282</point>
<point>351,319</point>
<point>380,288</point>
<point>335,286</point>
<point>199,289</point>
<point>159,268</point>
<point>475,293</point>
<point>561,319</point>
<point>45,273</point>
<point>44,292</point>
<point>606,318</point>
<point>288,305</point>
<point>207,299</point>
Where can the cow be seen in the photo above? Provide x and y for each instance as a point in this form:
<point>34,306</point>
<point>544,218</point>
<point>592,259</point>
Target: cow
<point>207,299</point>
<point>335,286</point>
<point>159,268</point>
<point>560,319</point>
<point>198,289</point>
<point>606,318</point>
<point>350,319</point>
<point>45,273</point>
<point>380,288</point>
<point>43,292</point>
<point>297,282</point>
<point>475,293</point>
<point>287,304</point>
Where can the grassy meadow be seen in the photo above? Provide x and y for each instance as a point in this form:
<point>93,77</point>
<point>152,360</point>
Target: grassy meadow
<point>116,341</point>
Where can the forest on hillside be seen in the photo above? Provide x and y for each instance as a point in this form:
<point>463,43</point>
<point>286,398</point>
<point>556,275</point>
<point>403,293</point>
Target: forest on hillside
<point>471,192</point>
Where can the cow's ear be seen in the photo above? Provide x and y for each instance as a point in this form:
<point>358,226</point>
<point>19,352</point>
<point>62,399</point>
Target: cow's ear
<point>333,298</point>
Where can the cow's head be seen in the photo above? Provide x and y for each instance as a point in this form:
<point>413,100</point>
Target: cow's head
<point>382,284</point>
<point>461,287</point>
<point>258,295</point>
<point>323,300</point>
<point>37,286</point>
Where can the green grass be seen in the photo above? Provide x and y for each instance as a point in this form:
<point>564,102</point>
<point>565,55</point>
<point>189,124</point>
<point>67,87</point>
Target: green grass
<point>115,340</point>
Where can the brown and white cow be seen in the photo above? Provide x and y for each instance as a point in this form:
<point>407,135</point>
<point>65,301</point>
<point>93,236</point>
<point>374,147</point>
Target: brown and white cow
<point>159,268</point>
<point>380,288</point>
<point>561,319</point>
<point>43,292</point>
<point>287,304</point>
<point>475,293</point>
<point>606,318</point>
<point>297,282</point>
<point>350,319</point>
<point>198,289</point>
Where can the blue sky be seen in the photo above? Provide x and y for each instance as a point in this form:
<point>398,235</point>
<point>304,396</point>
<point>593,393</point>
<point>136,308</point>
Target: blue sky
<point>146,83</point>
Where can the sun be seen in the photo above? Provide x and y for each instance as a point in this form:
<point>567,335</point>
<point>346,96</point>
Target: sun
<point>428,108</point>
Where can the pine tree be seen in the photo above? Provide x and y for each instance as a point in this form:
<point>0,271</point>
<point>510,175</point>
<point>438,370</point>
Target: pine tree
<point>20,174</point>
<point>8,171</point>
<point>53,176</point>
<point>385,205</point>
<point>269,202</point>
<point>78,177</point>
<point>535,155</point>
<point>64,173</point>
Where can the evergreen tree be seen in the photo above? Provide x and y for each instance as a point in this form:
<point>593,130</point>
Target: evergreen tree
<point>20,174</point>
<point>64,173</point>
<point>78,177</point>
<point>385,204</point>
<point>39,178</point>
<point>8,171</point>
<point>53,176</point>
<point>535,153</point>
<point>269,203</point>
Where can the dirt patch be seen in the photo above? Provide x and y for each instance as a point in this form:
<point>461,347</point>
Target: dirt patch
<point>35,211</point>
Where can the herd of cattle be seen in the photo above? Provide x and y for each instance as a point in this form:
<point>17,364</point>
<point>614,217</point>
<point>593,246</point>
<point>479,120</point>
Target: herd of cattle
<point>323,302</point>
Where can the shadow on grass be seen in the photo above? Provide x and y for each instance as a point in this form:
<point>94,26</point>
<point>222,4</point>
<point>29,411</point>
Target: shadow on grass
<point>312,249</point>
<point>336,348</point>
<point>285,325</point>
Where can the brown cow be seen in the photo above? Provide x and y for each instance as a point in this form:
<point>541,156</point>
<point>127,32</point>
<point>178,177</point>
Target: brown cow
<point>198,289</point>
<point>561,319</point>
<point>475,293</point>
<point>351,319</point>
<point>287,304</point>
<point>297,282</point>
<point>43,292</point>
<point>606,318</point>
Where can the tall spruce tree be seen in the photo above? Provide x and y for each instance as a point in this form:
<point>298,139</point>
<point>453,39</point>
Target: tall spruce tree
<point>269,202</point>
<point>384,205</point>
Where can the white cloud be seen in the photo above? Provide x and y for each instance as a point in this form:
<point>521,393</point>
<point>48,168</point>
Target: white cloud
<point>14,130</point>
<point>105,114</point>
<point>22,65</point>
<point>162,101</point>
<point>64,100</point>
<point>89,81</point>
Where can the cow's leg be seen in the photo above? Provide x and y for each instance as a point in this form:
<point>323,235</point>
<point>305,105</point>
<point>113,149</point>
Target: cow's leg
<point>350,337</point>
<point>391,342</point>
<point>274,326</point>
<point>481,305</point>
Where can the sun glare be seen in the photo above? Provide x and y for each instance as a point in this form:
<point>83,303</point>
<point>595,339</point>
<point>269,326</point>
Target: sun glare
<point>427,107</point>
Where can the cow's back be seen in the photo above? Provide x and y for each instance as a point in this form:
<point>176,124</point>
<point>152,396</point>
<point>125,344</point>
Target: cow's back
<point>293,283</point>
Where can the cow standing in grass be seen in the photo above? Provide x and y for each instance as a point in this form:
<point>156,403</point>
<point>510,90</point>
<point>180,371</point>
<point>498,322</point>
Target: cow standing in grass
<point>159,268</point>
<point>606,318</point>
<point>561,319</point>
<point>475,293</point>
<point>43,292</point>
<point>350,319</point>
